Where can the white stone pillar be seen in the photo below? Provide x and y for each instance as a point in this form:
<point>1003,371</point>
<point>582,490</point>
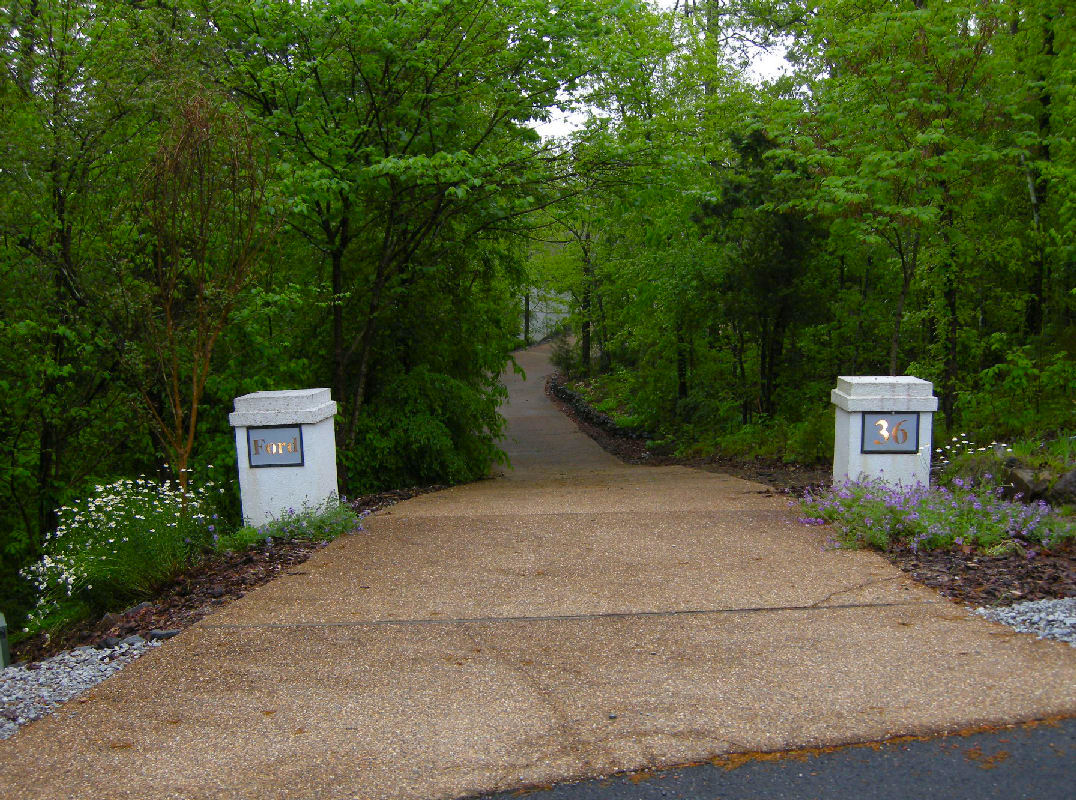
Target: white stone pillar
<point>286,447</point>
<point>883,429</point>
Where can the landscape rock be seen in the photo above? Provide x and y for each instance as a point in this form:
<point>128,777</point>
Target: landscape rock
<point>589,414</point>
<point>1025,483</point>
<point>133,640</point>
<point>30,692</point>
<point>108,620</point>
<point>156,634</point>
<point>1063,492</point>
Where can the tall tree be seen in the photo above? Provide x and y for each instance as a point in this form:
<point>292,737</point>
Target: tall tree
<point>405,134</point>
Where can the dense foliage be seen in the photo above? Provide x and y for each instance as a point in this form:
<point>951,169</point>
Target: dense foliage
<point>203,198</point>
<point>901,201</point>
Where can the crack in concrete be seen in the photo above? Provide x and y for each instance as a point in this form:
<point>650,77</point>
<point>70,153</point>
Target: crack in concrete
<point>856,588</point>
<point>565,617</point>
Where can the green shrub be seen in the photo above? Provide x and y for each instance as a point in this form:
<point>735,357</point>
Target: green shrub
<point>321,523</point>
<point>1022,396</point>
<point>425,428</point>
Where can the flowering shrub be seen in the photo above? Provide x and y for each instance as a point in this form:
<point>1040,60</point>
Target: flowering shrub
<point>121,543</point>
<point>321,523</point>
<point>964,515</point>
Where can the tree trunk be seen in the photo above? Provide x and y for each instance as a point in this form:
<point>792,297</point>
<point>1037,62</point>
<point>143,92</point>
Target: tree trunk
<point>603,336</point>
<point>339,356</point>
<point>527,318</point>
<point>951,284</point>
<point>771,345</point>
<point>365,347</point>
<point>741,373</point>
<point>681,363</point>
<point>585,308</point>
<point>908,262</point>
<point>1035,314</point>
<point>863,291</point>
<point>948,400</point>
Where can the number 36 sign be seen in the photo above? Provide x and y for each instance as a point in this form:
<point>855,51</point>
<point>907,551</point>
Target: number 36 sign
<point>890,433</point>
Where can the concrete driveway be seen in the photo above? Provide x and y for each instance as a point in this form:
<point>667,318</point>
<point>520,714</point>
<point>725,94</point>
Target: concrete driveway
<point>569,618</point>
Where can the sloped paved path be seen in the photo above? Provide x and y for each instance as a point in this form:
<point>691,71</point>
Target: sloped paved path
<point>571,618</point>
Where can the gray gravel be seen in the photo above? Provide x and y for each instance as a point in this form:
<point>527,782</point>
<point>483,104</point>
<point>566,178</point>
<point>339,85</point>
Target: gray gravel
<point>1047,619</point>
<point>30,691</point>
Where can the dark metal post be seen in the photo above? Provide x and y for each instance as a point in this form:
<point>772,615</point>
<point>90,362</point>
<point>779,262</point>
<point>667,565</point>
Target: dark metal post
<point>5,654</point>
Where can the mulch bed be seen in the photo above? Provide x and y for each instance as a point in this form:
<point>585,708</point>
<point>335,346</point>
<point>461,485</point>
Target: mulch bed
<point>970,578</point>
<point>981,580</point>
<point>199,591</point>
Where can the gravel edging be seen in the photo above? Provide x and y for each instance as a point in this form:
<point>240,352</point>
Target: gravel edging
<point>1047,619</point>
<point>34,690</point>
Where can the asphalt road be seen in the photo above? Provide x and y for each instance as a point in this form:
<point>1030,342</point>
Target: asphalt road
<point>1026,762</point>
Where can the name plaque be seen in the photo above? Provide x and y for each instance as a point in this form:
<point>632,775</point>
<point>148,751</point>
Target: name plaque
<point>278,446</point>
<point>890,433</point>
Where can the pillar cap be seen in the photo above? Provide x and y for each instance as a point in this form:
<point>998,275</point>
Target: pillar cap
<point>285,407</point>
<point>883,393</point>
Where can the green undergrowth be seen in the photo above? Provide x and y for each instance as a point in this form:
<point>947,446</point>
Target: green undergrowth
<point>705,427</point>
<point>610,394</point>
<point>321,523</point>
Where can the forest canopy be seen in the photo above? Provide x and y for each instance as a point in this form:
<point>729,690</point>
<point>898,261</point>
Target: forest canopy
<point>900,200</point>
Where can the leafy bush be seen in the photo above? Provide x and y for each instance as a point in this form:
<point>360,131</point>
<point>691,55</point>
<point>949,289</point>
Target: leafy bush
<point>321,523</point>
<point>1023,395</point>
<point>122,543</point>
<point>425,428</point>
<point>870,513</point>
<point>564,356</point>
